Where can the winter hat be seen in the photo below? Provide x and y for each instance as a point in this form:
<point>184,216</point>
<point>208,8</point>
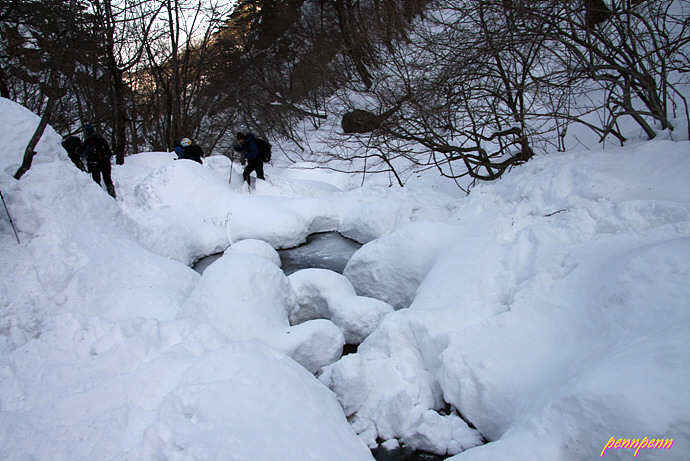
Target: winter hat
<point>186,142</point>
<point>89,129</point>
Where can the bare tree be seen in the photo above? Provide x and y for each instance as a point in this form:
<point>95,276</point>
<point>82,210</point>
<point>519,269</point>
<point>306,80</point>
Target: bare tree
<point>118,27</point>
<point>480,85</point>
<point>172,90</point>
<point>39,53</point>
<point>462,89</point>
<point>632,51</point>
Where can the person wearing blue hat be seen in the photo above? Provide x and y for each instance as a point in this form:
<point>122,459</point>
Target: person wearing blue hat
<point>98,154</point>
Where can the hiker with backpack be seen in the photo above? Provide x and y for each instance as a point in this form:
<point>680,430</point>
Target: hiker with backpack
<point>256,152</point>
<point>191,150</point>
<point>98,154</point>
<point>74,148</point>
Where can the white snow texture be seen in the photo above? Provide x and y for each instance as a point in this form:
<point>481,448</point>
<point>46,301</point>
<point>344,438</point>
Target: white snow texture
<point>548,309</point>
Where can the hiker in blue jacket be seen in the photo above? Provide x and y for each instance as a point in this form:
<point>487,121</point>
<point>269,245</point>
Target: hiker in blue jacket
<point>179,150</point>
<point>247,146</point>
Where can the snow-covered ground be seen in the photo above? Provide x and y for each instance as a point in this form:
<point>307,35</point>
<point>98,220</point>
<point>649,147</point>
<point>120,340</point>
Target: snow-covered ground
<point>549,310</point>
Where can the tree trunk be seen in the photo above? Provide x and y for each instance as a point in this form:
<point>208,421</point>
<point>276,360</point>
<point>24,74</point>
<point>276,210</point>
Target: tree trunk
<point>120,116</point>
<point>174,30</point>
<point>4,88</point>
<point>29,152</point>
<point>117,88</point>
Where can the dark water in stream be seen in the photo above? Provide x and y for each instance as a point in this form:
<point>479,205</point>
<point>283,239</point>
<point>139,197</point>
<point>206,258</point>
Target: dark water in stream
<point>330,250</point>
<point>327,250</point>
<point>403,454</point>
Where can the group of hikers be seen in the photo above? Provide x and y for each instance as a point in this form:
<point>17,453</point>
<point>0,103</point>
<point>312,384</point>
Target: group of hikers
<point>253,150</point>
<point>93,155</point>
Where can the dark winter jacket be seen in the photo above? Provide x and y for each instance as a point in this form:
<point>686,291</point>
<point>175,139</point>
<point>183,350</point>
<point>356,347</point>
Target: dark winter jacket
<point>193,152</point>
<point>248,147</point>
<point>96,149</point>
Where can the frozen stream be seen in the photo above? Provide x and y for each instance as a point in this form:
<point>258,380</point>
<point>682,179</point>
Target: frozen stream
<point>328,250</point>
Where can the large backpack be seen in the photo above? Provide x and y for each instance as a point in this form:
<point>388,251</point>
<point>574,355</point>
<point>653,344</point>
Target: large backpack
<point>264,149</point>
<point>74,148</point>
<point>97,149</point>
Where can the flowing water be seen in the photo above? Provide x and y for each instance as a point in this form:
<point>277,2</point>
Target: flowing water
<point>328,250</point>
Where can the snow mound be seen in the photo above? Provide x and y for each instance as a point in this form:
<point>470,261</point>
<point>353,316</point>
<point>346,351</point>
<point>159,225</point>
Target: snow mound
<point>391,268</point>
<point>554,318</point>
<point>381,210</point>
<point>150,160</point>
<point>241,395</point>
<point>313,172</point>
<point>223,167</point>
<point>255,247</point>
<point>163,390</point>
<point>247,298</point>
<point>326,294</point>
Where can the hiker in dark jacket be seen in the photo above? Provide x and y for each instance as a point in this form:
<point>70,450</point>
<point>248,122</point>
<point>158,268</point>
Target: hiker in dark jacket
<point>247,146</point>
<point>97,154</point>
<point>191,151</point>
<point>74,148</point>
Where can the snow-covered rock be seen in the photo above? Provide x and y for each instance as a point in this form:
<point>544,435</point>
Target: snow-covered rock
<point>328,295</point>
<point>255,247</point>
<point>247,298</point>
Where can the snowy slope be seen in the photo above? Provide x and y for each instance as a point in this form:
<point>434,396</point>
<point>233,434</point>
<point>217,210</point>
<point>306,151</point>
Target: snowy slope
<point>548,309</point>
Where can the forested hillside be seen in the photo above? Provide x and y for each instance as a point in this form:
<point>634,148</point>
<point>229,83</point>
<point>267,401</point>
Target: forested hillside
<point>467,87</point>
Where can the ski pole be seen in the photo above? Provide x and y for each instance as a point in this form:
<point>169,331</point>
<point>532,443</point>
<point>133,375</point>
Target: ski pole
<point>10,217</point>
<point>232,160</point>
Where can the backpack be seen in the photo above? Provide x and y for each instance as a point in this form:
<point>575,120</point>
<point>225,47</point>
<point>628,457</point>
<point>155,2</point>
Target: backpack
<point>99,150</point>
<point>74,148</point>
<point>193,152</point>
<point>264,148</point>
<point>72,145</point>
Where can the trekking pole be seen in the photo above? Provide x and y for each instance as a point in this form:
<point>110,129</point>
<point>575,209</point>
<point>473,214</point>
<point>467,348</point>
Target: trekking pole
<point>232,160</point>
<point>10,217</point>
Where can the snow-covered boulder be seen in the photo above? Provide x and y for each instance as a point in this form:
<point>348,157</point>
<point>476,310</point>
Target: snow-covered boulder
<point>255,247</point>
<point>391,268</point>
<point>247,298</point>
<point>176,221</point>
<point>223,167</point>
<point>179,222</point>
<point>438,433</point>
<point>389,388</point>
<point>326,294</point>
<point>233,402</point>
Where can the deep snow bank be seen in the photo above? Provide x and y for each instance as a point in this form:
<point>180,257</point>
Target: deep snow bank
<point>94,363</point>
<point>555,317</point>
